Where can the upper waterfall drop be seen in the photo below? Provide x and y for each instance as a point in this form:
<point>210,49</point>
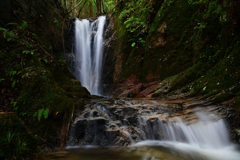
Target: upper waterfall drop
<point>89,53</point>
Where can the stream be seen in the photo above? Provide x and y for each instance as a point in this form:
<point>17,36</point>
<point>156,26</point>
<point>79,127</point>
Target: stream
<point>148,129</point>
<point>138,129</point>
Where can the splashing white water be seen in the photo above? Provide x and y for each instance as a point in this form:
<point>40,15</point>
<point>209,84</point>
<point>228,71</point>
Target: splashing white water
<point>205,137</point>
<point>205,133</point>
<point>89,53</point>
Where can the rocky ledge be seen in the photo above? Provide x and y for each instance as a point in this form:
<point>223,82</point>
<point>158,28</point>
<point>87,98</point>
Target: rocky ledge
<point>122,122</point>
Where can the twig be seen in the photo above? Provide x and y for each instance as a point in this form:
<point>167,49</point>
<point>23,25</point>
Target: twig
<point>40,138</point>
<point>75,6</point>
<point>4,113</point>
<point>14,12</point>
<point>63,37</point>
<point>21,63</point>
<point>30,132</point>
<point>81,8</point>
<point>44,51</point>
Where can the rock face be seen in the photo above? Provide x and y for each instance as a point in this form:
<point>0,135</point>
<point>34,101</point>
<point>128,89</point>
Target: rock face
<point>121,122</point>
<point>108,57</point>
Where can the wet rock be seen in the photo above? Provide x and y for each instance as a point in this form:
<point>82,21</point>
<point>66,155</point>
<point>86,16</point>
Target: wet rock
<point>112,134</point>
<point>121,122</point>
<point>80,129</point>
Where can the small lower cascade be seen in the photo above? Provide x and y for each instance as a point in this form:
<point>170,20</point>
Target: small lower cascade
<point>89,53</point>
<point>204,133</point>
<point>123,122</point>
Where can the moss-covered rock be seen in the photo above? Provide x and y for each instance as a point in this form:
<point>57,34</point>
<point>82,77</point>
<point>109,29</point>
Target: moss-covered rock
<point>197,42</point>
<point>165,86</point>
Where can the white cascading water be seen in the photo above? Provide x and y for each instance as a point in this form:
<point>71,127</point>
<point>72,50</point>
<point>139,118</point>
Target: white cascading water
<point>206,137</point>
<point>204,133</point>
<point>89,53</point>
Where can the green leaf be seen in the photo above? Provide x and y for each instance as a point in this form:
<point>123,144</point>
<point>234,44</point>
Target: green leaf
<point>13,24</point>
<point>133,44</point>
<point>3,29</point>
<point>35,114</point>
<point>12,73</point>
<point>14,103</point>
<point>2,79</point>
<point>40,112</point>
<point>15,109</point>
<point>39,148</point>
<point>23,113</point>
<point>45,60</point>
<point>34,34</point>
<point>24,25</point>
<point>45,113</point>
<point>14,82</point>
<point>26,52</point>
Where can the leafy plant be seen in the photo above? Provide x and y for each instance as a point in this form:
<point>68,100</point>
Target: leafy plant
<point>56,22</point>
<point>10,136</point>
<point>200,26</point>
<point>137,26</point>
<point>26,52</point>
<point>42,112</point>
<point>9,35</point>
<point>133,44</point>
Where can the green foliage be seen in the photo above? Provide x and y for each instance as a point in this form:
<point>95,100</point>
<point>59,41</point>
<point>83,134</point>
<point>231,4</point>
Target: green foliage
<point>200,26</point>
<point>2,79</point>
<point>45,113</point>
<point>26,52</point>
<point>23,25</point>
<point>135,24</point>
<point>9,136</point>
<point>133,44</point>
<point>56,22</point>
<point>42,112</point>
<point>9,35</point>
<point>194,2</point>
<point>15,142</point>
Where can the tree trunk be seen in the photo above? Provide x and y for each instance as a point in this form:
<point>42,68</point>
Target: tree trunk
<point>90,9</point>
<point>103,7</point>
<point>73,10</point>
<point>98,7</point>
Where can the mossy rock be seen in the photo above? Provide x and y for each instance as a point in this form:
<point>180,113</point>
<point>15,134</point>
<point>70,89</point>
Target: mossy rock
<point>164,86</point>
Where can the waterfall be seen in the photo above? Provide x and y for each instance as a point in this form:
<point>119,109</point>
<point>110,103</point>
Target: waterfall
<point>205,133</point>
<point>197,134</point>
<point>89,53</point>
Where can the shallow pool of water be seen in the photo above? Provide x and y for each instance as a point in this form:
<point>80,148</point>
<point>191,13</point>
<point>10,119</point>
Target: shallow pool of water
<point>147,150</point>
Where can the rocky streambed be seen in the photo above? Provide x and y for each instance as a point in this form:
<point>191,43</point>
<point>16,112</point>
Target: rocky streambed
<point>123,122</point>
<point>150,128</point>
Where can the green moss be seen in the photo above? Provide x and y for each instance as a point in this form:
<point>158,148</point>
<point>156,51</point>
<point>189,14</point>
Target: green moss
<point>236,103</point>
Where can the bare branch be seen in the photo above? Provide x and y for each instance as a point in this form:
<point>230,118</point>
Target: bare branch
<point>75,6</point>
